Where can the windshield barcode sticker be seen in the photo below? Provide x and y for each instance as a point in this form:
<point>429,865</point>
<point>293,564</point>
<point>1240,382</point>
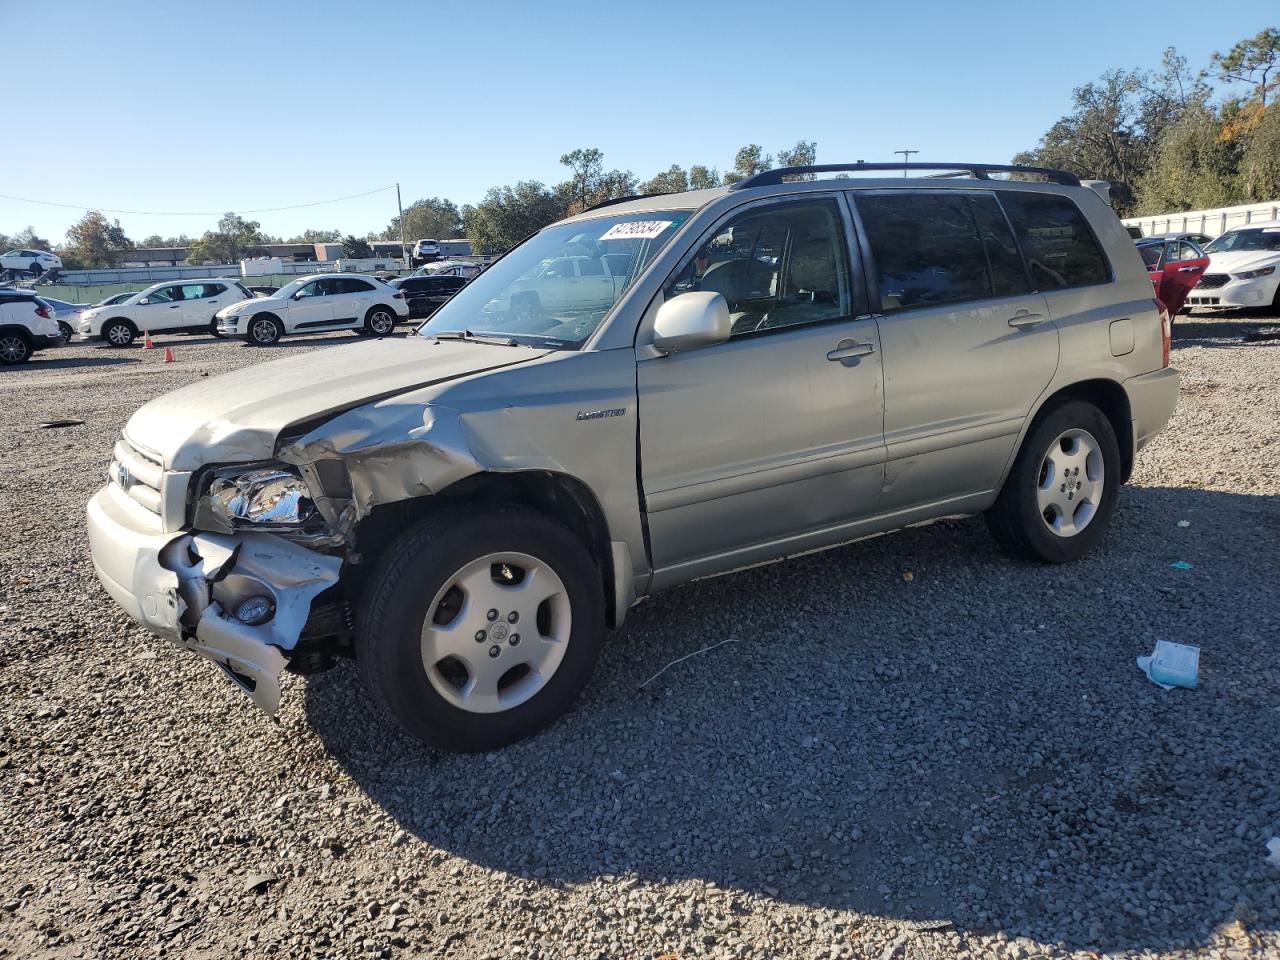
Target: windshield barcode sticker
<point>636,230</point>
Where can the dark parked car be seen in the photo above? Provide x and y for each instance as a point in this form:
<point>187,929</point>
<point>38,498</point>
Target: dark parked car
<point>426,295</point>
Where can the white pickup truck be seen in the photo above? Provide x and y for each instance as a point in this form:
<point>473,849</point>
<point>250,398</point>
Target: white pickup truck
<point>566,284</point>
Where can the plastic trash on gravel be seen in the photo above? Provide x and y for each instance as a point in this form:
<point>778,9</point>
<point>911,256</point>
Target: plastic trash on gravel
<point>1273,852</point>
<point>1172,665</point>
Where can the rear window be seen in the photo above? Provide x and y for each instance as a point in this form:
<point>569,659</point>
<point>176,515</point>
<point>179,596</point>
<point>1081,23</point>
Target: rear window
<point>1060,248</point>
<point>936,248</point>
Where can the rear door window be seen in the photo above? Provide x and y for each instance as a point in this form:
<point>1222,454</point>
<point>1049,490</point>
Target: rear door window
<point>1060,248</point>
<point>937,248</point>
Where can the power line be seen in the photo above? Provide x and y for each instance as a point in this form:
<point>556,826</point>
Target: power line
<point>193,213</point>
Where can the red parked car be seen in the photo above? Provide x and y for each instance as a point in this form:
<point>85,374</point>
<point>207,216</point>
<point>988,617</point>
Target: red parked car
<point>1175,265</point>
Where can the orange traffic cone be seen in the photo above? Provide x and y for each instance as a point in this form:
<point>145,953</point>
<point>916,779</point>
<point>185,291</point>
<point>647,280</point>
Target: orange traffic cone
<point>168,354</point>
<point>146,341</point>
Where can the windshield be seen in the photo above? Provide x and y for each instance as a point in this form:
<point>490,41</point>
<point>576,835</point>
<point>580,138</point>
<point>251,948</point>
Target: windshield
<point>557,286</point>
<point>1266,238</point>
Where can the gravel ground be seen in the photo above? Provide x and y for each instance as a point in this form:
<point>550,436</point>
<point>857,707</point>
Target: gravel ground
<point>913,748</point>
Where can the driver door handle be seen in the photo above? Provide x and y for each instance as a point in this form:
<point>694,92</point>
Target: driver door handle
<point>1191,269</point>
<point>1025,318</point>
<point>848,350</point>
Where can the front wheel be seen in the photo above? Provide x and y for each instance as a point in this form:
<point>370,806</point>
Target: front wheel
<point>213,330</point>
<point>264,330</point>
<point>1059,497</point>
<point>15,348</point>
<point>64,329</point>
<point>36,271</point>
<point>118,333</point>
<point>480,626</point>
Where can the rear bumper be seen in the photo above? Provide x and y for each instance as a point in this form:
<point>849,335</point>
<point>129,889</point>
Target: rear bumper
<point>1152,399</point>
<point>40,342</point>
<point>185,587</point>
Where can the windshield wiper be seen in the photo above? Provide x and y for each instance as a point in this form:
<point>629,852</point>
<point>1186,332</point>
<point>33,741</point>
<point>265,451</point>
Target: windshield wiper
<point>474,337</point>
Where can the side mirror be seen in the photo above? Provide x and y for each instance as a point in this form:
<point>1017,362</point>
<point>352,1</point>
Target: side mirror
<point>691,320</point>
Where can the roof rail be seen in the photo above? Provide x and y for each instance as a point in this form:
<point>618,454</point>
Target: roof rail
<point>980,170</point>
<point>610,202</point>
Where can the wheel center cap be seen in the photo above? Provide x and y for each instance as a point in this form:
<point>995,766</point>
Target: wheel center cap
<point>498,631</point>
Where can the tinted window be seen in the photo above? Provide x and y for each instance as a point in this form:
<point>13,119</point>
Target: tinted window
<point>164,295</point>
<point>1151,254</point>
<point>933,248</point>
<point>777,266</point>
<point>351,285</point>
<point>1057,242</point>
<point>590,268</point>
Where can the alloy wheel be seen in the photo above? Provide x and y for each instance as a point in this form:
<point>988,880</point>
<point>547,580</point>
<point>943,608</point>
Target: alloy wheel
<point>13,349</point>
<point>1071,483</point>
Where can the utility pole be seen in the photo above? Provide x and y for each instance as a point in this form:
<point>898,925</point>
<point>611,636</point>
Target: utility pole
<point>404,251</point>
<point>906,158</point>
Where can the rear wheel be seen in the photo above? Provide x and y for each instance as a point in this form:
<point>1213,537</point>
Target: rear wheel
<point>119,333</point>
<point>15,348</point>
<point>379,321</point>
<point>264,330</point>
<point>480,626</point>
<point>36,271</point>
<point>1060,495</point>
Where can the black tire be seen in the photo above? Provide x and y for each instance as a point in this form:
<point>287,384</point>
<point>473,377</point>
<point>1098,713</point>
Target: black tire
<point>213,330</point>
<point>65,329</point>
<point>15,348</point>
<point>1016,521</point>
<point>379,321</point>
<point>35,271</point>
<point>265,329</point>
<point>119,332</point>
<point>400,595</point>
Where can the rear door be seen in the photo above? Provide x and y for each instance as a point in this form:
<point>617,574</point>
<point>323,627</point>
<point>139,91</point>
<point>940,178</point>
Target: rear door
<point>968,343</point>
<point>200,302</point>
<point>352,298</point>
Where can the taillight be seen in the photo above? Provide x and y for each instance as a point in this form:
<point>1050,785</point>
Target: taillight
<point>43,312</point>
<point>1166,332</point>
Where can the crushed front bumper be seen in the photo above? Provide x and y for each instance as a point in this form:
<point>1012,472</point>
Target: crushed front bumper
<point>186,586</point>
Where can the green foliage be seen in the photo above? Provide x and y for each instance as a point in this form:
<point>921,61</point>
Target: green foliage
<point>1253,61</point>
<point>1193,167</point>
<point>24,239</point>
<point>750,160</point>
<point>355,248</point>
<point>1260,160</point>
<point>590,183</point>
<point>507,215</point>
<point>317,236</point>
<point>94,241</point>
<point>433,218</point>
<point>235,239</point>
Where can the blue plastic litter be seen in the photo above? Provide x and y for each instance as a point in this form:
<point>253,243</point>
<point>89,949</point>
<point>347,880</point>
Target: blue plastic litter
<point>1172,665</point>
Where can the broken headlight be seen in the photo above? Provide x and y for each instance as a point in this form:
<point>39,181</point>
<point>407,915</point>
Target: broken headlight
<point>268,496</point>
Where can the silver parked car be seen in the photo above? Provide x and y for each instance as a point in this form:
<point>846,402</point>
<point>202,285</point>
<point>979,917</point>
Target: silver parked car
<point>782,366</point>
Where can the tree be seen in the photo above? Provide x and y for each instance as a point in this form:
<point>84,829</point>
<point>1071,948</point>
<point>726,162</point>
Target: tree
<point>95,241</point>
<point>317,236</point>
<point>434,218</point>
<point>1252,61</point>
<point>26,239</point>
<point>235,239</point>
<point>1193,166</point>
<point>748,161</point>
<point>507,215</point>
<point>591,183</point>
<point>673,180</point>
<point>703,178</point>
<point>355,248</point>
<point>1259,177</point>
<point>803,154</point>
<point>155,240</point>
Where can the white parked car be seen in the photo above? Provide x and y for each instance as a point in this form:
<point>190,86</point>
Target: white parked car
<point>467,269</point>
<point>320,303</point>
<point>575,283</point>
<point>182,306</point>
<point>26,325</point>
<point>1244,269</point>
<point>32,262</point>
<point>426,250</point>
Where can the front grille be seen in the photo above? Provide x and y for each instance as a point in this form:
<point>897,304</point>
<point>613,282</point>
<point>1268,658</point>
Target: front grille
<point>137,474</point>
<point>1211,281</point>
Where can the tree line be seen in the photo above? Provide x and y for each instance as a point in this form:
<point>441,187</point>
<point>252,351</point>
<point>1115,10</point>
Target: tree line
<point>501,219</point>
<point>1176,138</point>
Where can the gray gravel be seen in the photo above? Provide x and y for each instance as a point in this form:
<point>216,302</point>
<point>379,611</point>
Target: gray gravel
<point>962,763</point>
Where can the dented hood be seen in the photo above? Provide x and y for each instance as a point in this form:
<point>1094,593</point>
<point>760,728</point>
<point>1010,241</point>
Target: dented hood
<point>238,416</point>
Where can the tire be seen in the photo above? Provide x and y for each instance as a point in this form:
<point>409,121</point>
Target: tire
<point>265,330</point>
<point>406,660</point>
<point>65,329</point>
<point>379,321</point>
<point>119,332</point>
<point>35,271</point>
<point>15,348</point>
<point>213,330</point>
<point>1058,499</point>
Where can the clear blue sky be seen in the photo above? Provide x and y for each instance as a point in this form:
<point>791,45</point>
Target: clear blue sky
<point>218,106</point>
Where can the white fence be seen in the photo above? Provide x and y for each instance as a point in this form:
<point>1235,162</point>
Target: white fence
<point>1211,222</point>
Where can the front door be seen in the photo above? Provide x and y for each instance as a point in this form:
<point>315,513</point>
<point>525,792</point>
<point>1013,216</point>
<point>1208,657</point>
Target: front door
<point>162,309</point>
<point>312,306</point>
<point>968,344</point>
<point>767,443</point>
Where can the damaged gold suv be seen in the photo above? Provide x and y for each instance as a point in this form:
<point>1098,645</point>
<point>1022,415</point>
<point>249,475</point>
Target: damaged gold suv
<point>655,390</point>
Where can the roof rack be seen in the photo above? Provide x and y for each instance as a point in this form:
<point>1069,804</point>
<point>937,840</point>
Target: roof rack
<point>610,202</point>
<point>981,171</point>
